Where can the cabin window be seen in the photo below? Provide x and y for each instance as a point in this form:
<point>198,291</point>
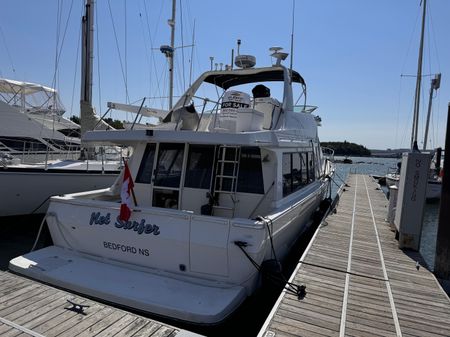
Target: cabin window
<point>145,172</point>
<point>23,144</point>
<point>298,167</point>
<point>297,171</point>
<point>199,166</point>
<point>170,163</point>
<point>165,198</point>
<point>286,171</point>
<point>250,178</point>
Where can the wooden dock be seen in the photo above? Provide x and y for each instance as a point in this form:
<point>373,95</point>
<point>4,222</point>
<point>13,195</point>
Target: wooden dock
<point>29,308</point>
<point>358,282</point>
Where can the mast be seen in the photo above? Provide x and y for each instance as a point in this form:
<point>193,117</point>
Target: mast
<point>418,83</point>
<point>435,84</point>
<point>88,119</point>
<point>172,45</point>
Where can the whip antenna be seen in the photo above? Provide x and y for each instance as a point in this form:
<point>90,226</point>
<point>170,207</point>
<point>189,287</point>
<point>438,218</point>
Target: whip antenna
<point>292,39</point>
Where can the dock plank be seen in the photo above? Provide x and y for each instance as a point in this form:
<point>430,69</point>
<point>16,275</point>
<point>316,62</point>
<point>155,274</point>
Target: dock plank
<point>29,308</point>
<point>358,282</point>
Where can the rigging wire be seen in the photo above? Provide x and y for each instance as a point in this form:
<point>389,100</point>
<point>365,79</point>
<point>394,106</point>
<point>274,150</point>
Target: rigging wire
<point>147,53</point>
<point>158,80</point>
<point>7,52</point>
<point>58,32</point>
<point>76,65</point>
<point>118,51</point>
<point>433,42</point>
<point>192,55</point>
<point>182,46</point>
<point>188,10</point>
<point>125,51</point>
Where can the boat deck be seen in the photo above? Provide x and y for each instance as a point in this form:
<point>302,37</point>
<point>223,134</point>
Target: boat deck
<point>29,308</point>
<point>358,282</point>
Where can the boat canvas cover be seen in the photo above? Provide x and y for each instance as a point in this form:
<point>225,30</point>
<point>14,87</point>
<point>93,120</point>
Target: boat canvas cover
<point>12,87</point>
<point>35,98</point>
<point>227,79</point>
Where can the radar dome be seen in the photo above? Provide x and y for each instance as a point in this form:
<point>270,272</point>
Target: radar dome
<point>245,61</point>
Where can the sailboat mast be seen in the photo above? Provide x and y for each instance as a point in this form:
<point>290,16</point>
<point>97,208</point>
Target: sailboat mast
<point>171,58</point>
<point>87,53</point>
<point>415,127</point>
<point>87,115</point>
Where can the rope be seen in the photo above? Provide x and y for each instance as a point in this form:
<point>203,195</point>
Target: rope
<point>278,278</point>
<point>39,233</point>
<point>46,199</point>
<point>343,271</point>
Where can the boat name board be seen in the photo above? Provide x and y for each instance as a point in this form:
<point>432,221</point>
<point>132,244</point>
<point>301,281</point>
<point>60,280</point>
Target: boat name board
<point>140,227</point>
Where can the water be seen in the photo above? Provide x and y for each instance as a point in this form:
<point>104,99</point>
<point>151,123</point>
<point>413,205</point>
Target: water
<point>379,167</point>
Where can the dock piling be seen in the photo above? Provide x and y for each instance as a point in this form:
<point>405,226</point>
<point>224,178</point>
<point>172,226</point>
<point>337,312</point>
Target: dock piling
<point>442,261</point>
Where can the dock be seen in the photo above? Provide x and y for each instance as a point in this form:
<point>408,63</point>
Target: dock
<point>29,308</point>
<point>358,282</point>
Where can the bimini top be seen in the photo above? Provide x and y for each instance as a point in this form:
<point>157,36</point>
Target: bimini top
<point>14,87</point>
<point>30,97</point>
<point>227,79</point>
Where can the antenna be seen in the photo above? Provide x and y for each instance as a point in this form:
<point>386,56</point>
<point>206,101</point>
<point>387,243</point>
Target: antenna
<point>211,59</point>
<point>238,46</point>
<point>232,59</point>
<point>292,40</point>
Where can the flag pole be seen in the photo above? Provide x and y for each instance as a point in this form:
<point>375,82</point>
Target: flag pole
<point>132,189</point>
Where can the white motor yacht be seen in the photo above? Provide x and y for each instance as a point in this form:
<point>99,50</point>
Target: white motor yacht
<point>217,193</point>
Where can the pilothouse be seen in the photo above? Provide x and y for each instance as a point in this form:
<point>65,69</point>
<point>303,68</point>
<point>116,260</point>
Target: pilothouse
<point>219,186</point>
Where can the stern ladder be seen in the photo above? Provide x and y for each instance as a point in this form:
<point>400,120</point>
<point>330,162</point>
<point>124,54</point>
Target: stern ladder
<point>226,176</point>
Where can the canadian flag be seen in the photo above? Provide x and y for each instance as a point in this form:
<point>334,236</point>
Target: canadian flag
<point>125,194</point>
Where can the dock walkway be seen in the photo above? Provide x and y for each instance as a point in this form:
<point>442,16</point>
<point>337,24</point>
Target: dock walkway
<point>358,282</point>
<point>29,308</point>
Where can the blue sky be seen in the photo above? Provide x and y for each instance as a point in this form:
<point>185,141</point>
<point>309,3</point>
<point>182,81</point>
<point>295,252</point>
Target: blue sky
<point>350,52</point>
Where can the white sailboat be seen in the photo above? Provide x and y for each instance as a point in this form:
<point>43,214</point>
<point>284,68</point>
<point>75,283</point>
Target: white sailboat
<point>40,149</point>
<point>435,180</point>
<point>221,187</point>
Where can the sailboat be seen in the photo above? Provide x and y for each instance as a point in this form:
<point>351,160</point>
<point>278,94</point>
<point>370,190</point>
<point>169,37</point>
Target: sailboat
<point>434,185</point>
<point>38,160</point>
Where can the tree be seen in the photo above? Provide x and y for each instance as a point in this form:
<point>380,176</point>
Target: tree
<point>116,124</point>
<point>347,149</point>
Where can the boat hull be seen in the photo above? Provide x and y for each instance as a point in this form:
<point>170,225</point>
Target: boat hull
<point>26,191</point>
<point>163,252</point>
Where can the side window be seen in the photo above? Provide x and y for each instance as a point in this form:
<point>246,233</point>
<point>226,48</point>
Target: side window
<point>145,172</point>
<point>286,171</point>
<point>311,168</point>
<point>169,165</point>
<point>297,171</point>
<point>250,178</point>
<point>199,166</point>
<point>304,160</point>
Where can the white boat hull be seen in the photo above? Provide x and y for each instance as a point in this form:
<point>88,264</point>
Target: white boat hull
<point>167,262</point>
<point>184,299</point>
<point>28,191</point>
<point>433,187</point>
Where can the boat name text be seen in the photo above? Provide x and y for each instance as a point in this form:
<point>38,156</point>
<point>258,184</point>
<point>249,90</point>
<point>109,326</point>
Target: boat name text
<point>126,248</point>
<point>138,226</point>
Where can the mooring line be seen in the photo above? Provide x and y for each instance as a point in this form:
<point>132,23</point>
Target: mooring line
<point>388,285</point>
<point>349,265</point>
